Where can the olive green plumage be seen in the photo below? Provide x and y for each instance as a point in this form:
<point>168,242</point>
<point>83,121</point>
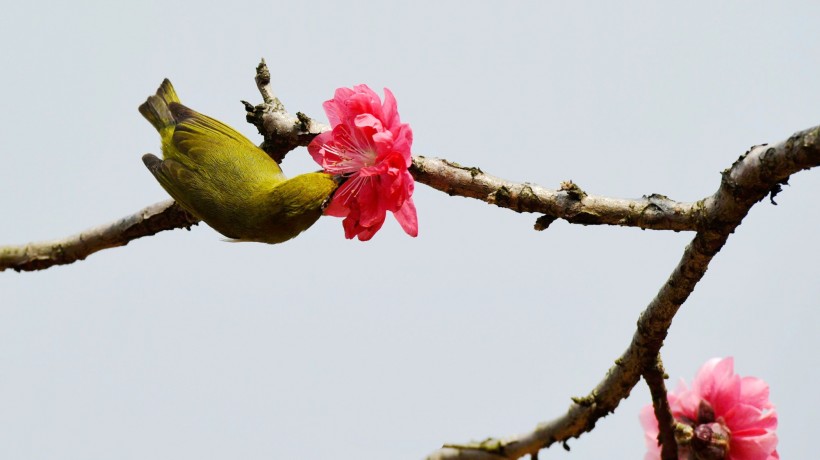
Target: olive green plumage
<point>222,178</point>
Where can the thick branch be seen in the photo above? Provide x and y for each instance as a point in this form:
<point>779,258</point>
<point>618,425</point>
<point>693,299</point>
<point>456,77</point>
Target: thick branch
<point>751,178</point>
<point>570,203</point>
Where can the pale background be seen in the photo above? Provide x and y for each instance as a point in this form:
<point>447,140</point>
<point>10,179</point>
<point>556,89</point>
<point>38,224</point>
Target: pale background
<point>181,346</point>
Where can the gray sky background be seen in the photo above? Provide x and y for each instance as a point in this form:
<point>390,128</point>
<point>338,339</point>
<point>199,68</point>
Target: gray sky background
<point>184,346</point>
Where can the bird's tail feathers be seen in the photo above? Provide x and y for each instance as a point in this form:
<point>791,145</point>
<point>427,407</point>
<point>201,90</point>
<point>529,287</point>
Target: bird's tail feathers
<point>155,108</point>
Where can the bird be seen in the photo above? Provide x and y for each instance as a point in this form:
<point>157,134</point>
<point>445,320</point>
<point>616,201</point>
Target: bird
<point>222,178</point>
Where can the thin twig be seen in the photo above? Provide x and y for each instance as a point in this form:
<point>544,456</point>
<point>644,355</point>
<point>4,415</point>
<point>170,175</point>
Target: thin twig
<point>281,131</point>
<point>265,89</point>
<point>655,376</point>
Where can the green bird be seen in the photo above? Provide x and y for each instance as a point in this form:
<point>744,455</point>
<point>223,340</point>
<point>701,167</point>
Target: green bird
<point>222,178</point>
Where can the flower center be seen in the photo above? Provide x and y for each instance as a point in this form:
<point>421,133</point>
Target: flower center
<point>350,156</point>
<point>706,438</point>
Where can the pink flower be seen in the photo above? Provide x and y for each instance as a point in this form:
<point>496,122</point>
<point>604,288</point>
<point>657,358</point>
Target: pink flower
<point>723,416</point>
<point>368,144</point>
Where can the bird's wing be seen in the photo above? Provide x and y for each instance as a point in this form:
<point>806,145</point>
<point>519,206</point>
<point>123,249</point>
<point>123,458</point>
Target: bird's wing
<point>179,181</point>
<point>216,150</point>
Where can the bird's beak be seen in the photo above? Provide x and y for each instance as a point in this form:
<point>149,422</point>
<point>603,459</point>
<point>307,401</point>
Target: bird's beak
<point>339,179</point>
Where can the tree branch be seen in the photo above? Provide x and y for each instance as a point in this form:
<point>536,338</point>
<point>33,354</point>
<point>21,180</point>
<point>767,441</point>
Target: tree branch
<point>282,132</point>
<point>570,203</point>
<point>756,174</point>
<point>158,217</point>
<point>654,377</point>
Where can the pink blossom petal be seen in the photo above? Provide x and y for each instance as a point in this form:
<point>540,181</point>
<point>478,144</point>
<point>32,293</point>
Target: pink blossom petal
<point>407,218</point>
<point>753,448</point>
<point>366,126</point>
<point>353,228</point>
<point>390,110</point>
<point>365,233</point>
<point>402,139</point>
<point>335,108</point>
<point>337,208</point>
<point>383,141</point>
<point>371,211</point>
<point>363,100</point>
<point>755,392</point>
<point>397,183</point>
<point>717,383</point>
<point>650,455</point>
<point>650,426</point>
<point>711,374</point>
<point>745,419</point>
<point>342,200</point>
<point>687,405</point>
<point>365,121</point>
<point>316,148</point>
